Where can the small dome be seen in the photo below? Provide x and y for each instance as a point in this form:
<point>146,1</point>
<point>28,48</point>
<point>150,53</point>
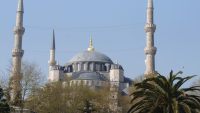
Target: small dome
<point>88,56</point>
<point>88,76</point>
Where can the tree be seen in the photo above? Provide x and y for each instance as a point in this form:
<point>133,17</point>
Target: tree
<point>196,83</point>
<point>162,95</point>
<point>88,108</point>
<point>4,107</point>
<point>138,79</point>
<point>124,102</point>
<point>31,80</point>
<point>61,98</point>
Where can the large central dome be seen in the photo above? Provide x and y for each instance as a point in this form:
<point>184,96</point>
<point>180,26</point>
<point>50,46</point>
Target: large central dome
<point>90,56</point>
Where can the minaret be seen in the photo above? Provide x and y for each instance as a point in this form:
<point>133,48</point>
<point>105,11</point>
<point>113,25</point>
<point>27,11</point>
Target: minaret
<point>17,54</point>
<point>52,61</point>
<point>55,73</point>
<point>150,50</point>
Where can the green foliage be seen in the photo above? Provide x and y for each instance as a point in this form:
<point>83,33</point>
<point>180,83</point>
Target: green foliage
<point>88,107</point>
<point>165,95</point>
<point>4,107</point>
<point>62,98</point>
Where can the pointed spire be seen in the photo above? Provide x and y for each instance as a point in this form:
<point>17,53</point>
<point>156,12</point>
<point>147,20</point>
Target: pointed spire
<point>52,60</point>
<point>150,4</point>
<point>91,42</point>
<point>20,7</point>
<point>20,11</point>
<point>150,11</point>
<point>91,48</point>
<point>53,47</point>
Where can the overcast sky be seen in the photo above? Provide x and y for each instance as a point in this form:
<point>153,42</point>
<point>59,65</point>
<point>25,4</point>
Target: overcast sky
<point>117,27</point>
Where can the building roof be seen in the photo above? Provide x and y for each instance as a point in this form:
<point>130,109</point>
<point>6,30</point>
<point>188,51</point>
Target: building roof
<point>90,56</point>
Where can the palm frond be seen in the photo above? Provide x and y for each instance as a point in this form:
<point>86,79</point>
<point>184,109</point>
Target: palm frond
<point>165,95</point>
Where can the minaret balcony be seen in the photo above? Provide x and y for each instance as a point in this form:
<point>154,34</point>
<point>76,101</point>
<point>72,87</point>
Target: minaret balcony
<point>150,50</point>
<point>52,63</point>
<point>150,27</point>
<point>19,30</point>
<point>17,53</point>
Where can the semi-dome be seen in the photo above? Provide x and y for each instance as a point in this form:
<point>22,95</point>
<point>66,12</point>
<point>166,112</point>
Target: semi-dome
<point>91,56</point>
<point>88,76</point>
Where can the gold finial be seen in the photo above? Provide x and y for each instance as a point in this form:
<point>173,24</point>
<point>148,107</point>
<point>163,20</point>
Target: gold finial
<point>91,48</point>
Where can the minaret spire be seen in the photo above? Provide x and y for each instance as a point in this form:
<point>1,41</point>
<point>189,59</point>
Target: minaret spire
<point>52,60</point>
<point>91,47</point>
<point>53,41</point>
<point>17,54</point>
<point>150,9</point>
<point>150,50</point>
<point>20,6</point>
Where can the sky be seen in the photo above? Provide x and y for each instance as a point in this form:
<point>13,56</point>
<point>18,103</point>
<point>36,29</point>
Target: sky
<point>117,27</point>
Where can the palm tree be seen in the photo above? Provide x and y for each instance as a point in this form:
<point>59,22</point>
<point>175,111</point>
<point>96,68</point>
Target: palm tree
<point>165,95</point>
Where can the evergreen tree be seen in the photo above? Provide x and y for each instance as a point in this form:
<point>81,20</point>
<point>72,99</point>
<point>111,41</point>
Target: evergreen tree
<point>4,107</point>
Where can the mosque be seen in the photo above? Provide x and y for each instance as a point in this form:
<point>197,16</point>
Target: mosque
<point>93,69</point>
<point>89,67</point>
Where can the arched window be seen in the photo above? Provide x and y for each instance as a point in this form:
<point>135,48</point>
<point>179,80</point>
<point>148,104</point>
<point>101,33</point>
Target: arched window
<point>79,66</point>
<point>74,67</point>
<point>85,66</point>
<point>98,67</point>
<point>90,67</point>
